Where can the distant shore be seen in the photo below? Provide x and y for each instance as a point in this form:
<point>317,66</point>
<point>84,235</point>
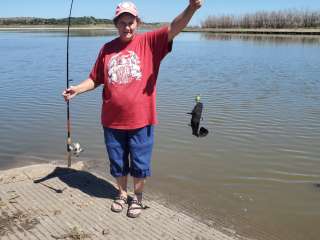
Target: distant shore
<point>110,27</point>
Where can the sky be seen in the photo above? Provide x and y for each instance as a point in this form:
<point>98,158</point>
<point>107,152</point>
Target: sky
<point>149,10</point>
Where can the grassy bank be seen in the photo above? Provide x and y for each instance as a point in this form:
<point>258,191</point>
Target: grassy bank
<point>58,26</point>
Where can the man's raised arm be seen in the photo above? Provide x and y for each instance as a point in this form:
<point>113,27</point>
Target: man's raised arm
<point>182,20</point>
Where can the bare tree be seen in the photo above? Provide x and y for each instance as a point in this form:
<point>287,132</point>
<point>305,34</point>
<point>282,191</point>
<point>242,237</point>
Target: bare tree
<point>263,19</point>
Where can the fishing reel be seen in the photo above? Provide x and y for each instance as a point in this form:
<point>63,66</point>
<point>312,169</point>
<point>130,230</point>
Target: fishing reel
<point>75,148</point>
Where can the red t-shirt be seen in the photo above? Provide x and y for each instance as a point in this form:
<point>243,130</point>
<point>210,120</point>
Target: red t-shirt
<point>129,73</point>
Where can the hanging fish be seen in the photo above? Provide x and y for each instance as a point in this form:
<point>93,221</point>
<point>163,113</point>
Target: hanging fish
<point>196,117</point>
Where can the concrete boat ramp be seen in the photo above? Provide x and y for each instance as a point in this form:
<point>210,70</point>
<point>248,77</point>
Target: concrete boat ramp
<point>51,202</point>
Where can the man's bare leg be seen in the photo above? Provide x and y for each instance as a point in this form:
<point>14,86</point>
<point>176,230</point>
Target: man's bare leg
<point>118,204</point>
<point>136,207</point>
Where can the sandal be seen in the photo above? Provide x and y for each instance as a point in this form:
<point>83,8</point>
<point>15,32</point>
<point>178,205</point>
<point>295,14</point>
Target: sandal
<point>135,208</point>
<point>118,204</point>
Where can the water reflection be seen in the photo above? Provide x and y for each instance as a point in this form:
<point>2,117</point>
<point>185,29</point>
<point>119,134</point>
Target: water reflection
<point>93,32</point>
<point>98,32</point>
<point>263,38</point>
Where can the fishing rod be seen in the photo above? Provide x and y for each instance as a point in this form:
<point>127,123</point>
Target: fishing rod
<point>74,148</point>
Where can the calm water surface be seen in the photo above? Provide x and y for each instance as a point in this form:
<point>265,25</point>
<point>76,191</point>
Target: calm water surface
<point>255,175</point>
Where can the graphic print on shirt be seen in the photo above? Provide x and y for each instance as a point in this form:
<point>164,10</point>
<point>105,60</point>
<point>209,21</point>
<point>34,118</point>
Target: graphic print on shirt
<point>124,68</point>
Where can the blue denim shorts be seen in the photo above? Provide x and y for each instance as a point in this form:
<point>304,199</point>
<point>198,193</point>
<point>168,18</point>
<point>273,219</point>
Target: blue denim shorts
<point>129,151</point>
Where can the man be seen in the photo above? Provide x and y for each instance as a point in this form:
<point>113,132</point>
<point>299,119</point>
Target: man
<point>128,67</point>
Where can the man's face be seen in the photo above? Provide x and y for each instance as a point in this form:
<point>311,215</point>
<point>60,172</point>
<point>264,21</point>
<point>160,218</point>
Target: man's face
<point>127,25</point>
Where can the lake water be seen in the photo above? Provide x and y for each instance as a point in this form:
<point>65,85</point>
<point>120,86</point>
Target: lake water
<point>257,173</point>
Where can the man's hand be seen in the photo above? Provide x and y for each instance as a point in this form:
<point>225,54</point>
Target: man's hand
<point>195,4</point>
<point>86,85</point>
<point>182,20</point>
<point>69,93</point>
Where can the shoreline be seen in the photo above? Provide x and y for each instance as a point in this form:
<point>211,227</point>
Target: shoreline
<point>298,31</point>
<point>47,201</point>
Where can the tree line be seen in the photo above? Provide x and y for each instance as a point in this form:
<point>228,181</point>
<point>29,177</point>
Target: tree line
<point>264,19</point>
<point>53,21</point>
